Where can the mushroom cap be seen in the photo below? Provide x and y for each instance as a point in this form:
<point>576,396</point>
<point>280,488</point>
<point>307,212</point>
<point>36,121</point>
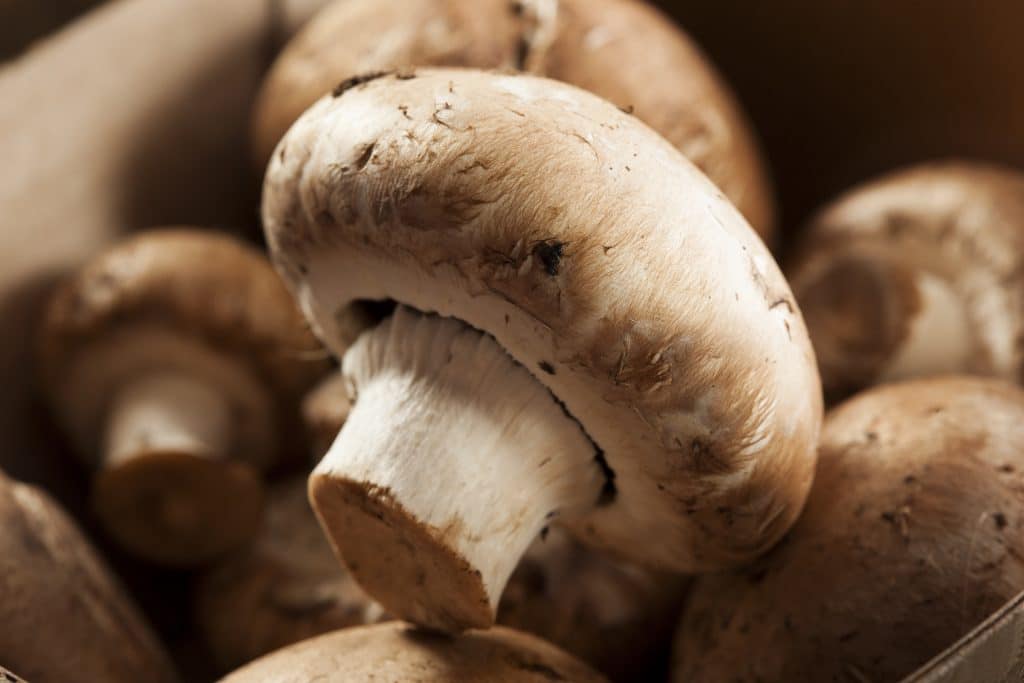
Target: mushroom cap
<point>624,51</point>
<point>287,587</point>
<point>396,653</point>
<point>960,222</point>
<point>599,257</point>
<point>217,294</point>
<point>911,536</point>
<point>65,617</point>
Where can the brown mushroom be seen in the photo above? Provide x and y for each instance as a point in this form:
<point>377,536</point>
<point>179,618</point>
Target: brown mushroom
<point>396,653</point>
<point>175,360</point>
<point>586,331</point>
<point>912,535</point>
<point>917,273</point>
<point>63,615</point>
<point>624,51</point>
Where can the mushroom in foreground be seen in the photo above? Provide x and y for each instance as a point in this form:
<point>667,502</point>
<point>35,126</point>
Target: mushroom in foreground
<point>64,616</point>
<point>910,538</point>
<point>585,332</point>
<point>616,616</point>
<point>174,360</point>
<point>287,587</point>
<point>917,273</point>
<point>624,51</point>
<point>395,652</point>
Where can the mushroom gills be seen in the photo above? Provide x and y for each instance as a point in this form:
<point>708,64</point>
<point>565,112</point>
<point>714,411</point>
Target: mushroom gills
<point>453,459</point>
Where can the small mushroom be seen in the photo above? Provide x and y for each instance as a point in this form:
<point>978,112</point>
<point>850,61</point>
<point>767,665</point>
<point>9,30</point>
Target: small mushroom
<point>910,538</point>
<point>286,588</point>
<point>9,677</point>
<point>63,615</point>
<point>574,340</point>
<point>396,652</point>
<point>917,273</point>
<point>175,360</point>
<point>624,51</point>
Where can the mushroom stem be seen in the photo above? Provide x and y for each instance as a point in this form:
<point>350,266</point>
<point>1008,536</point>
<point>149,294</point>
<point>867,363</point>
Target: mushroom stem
<point>939,335</point>
<point>453,459</point>
<point>166,487</point>
<point>166,412</point>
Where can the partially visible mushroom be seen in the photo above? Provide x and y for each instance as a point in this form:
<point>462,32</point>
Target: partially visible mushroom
<point>586,332</point>
<point>913,534</point>
<point>918,273</point>
<point>395,652</point>
<point>63,615</point>
<point>287,587</point>
<point>324,411</point>
<point>624,51</point>
<point>8,677</point>
<point>175,360</point>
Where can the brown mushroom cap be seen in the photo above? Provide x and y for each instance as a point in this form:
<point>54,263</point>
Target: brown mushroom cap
<point>859,270</point>
<point>613,270</point>
<point>912,535</point>
<point>286,588</point>
<point>396,653</point>
<point>64,616</point>
<point>624,51</point>
<point>194,304</point>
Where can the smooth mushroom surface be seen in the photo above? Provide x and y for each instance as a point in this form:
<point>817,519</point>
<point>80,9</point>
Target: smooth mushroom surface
<point>175,360</point>
<point>287,587</point>
<point>914,274</point>
<point>616,616</point>
<point>912,536</point>
<point>586,332</point>
<point>397,653</point>
<point>63,615</point>
<point>624,51</point>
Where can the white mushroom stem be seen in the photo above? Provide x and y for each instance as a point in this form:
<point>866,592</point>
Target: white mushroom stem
<point>166,413</point>
<point>453,459</point>
<point>939,336</point>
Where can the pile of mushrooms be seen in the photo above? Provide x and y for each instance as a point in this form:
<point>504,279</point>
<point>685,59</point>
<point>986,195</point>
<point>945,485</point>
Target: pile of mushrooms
<point>565,411</point>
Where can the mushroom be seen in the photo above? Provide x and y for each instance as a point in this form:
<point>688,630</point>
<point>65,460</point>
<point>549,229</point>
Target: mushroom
<point>64,615</point>
<point>911,536</point>
<point>917,273</point>
<point>585,331</point>
<point>175,360</point>
<point>284,589</point>
<point>624,51</point>
<point>396,652</point>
